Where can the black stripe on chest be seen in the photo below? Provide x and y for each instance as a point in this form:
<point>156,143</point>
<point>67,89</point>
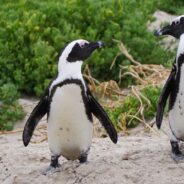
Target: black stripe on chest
<point>83,94</point>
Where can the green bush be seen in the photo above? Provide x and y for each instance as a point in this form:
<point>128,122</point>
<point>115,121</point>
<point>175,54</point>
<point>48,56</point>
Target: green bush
<point>172,6</point>
<point>32,34</point>
<point>10,110</point>
<point>126,114</point>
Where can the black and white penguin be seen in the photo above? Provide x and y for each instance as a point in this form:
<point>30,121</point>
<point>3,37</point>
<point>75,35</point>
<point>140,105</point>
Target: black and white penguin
<point>69,106</point>
<point>174,89</point>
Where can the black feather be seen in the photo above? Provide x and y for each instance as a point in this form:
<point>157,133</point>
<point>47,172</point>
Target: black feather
<point>100,113</point>
<point>38,112</point>
<point>166,91</point>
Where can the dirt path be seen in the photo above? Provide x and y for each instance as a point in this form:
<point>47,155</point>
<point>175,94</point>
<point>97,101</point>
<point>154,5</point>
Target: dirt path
<point>142,159</point>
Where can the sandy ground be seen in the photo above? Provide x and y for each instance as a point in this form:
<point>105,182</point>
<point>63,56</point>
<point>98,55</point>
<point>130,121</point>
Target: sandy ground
<point>140,158</point>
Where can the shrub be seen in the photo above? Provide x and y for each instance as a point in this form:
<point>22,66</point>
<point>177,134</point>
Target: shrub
<point>10,110</point>
<point>127,114</point>
<point>172,6</point>
<point>32,34</point>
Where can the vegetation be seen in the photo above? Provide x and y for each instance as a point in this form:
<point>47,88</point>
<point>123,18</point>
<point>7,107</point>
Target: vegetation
<point>32,34</point>
<point>135,109</point>
<point>172,6</point>
<point>10,110</point>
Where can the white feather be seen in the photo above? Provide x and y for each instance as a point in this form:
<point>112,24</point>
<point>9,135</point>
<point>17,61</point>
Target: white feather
<point>69,129</point>
<point>176,115</point>
<point>177,19</point>
<point>181,46</point>
<point>68,70</point>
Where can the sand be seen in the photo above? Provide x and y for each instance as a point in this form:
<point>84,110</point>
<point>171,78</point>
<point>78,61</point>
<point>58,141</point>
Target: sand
<point>140,158</point>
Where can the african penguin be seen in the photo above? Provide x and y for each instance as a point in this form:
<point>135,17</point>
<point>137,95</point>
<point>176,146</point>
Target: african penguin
<point>69,106</point>
<point>174,89</point>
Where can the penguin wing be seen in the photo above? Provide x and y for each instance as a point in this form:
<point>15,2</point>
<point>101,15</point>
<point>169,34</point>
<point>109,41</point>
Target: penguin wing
<point>100,113</point>
<point>164,96</point>
<point>38,112</point>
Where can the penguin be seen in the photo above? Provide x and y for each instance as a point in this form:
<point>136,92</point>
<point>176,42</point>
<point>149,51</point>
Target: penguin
<point>174,90</point>
<point>69,105</point>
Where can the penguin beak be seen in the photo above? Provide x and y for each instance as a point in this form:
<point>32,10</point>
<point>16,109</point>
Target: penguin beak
<point>163,31</point>
<point>101,44</point>
<point>96,45</point>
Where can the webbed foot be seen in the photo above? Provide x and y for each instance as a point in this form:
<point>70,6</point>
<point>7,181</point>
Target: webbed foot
<point>176,154</point>
<point>55,166</point>
<point>83,158</point>
<point>50,170</point>
<point>177,157</point>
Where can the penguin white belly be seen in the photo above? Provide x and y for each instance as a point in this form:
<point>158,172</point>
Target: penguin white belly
<point>176,115</point>
<point>69,129</point>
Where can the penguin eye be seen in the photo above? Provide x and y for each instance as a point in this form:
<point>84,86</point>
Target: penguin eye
<point>82,46</point>
<point>177,22</point>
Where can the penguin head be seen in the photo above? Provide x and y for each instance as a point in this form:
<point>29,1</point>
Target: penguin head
<point>80,50</point>
<point>175,28</point>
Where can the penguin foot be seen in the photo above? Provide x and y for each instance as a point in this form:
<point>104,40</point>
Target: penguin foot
<point>83,158</point>
<point>177,157</point>
<point>176,154</point>
<point>55,166</point>
<point>50,170</point>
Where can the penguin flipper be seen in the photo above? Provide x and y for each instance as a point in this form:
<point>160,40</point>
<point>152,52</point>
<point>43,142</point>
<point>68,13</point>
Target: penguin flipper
<point>164,96</point>
<point>102,116</point>
<point>38,112</point>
